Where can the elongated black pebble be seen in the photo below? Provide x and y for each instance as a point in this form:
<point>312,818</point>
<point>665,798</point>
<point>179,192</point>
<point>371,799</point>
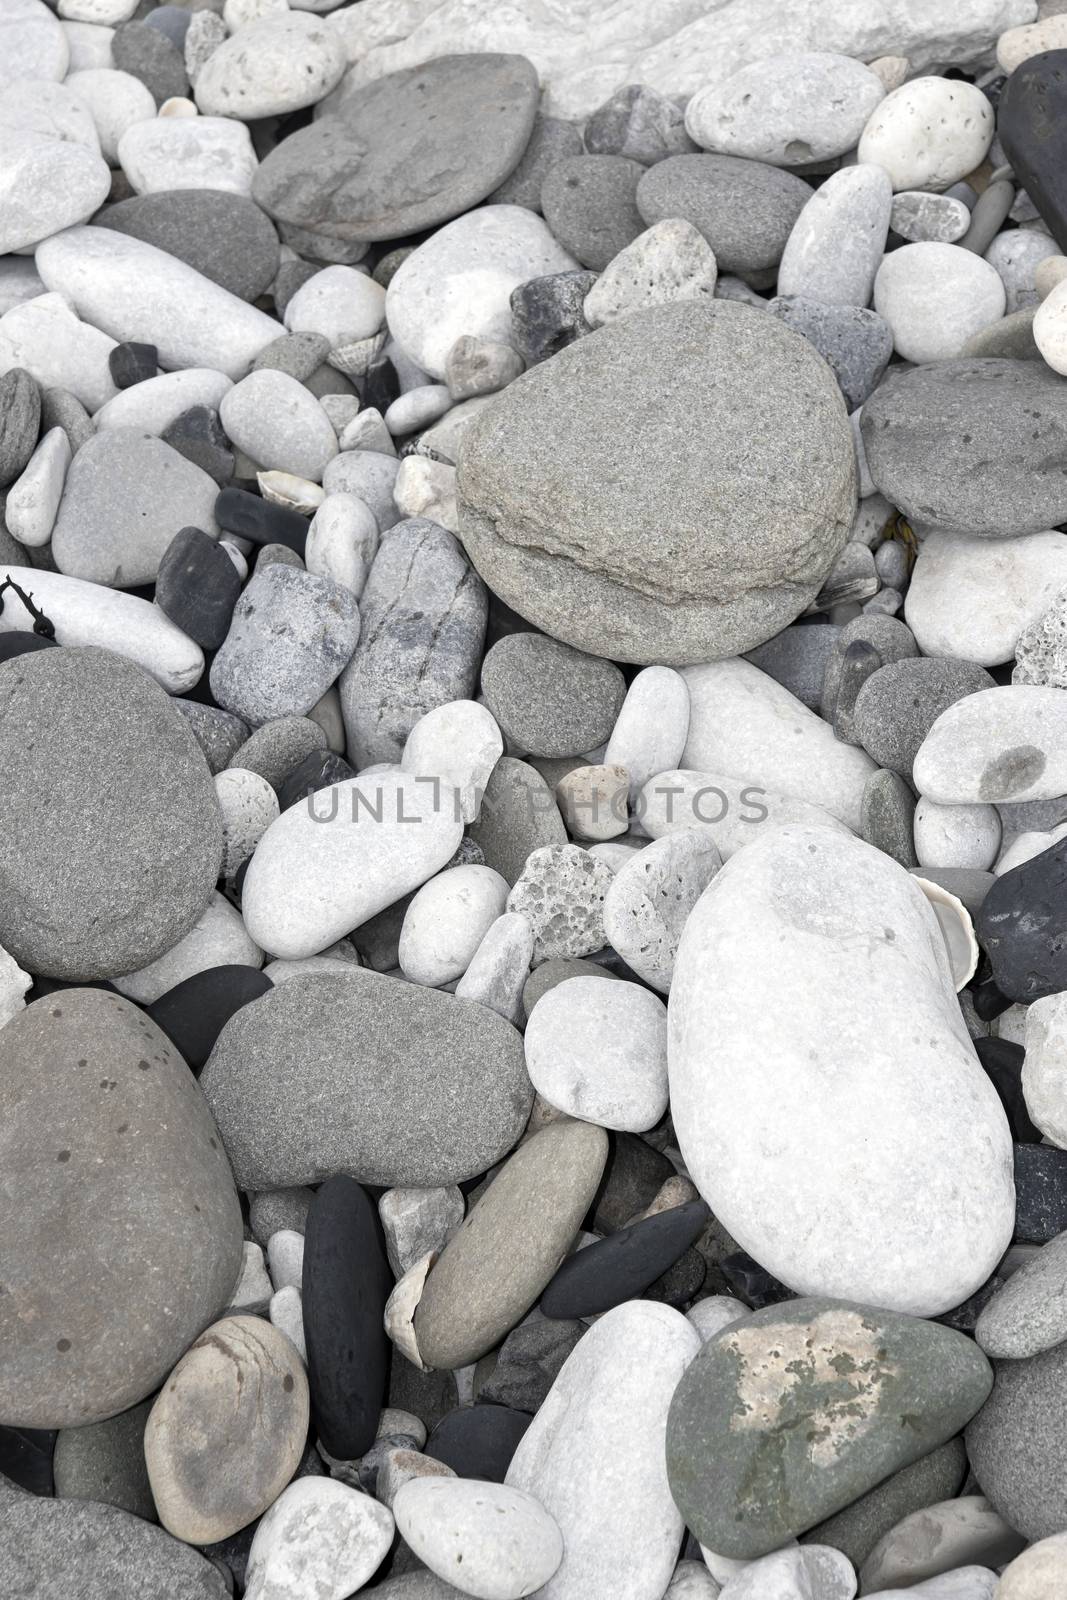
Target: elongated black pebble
<point>194,1012</point>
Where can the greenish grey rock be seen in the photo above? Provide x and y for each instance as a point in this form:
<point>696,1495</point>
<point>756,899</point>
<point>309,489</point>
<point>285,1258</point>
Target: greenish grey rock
<point>1029,1314</point>
<point>548,699</point>
<point>558,970</point>
<point>792,1414</point>
<point>1017,1444</point>
<point>105,1462</point>
<point>857,1529</point>
<point>519,815</point>
<point>887,816</point>
<point>682,556</point>
<point>1011,337</point>
<point>495,1266</point>
<point>389,1082</point>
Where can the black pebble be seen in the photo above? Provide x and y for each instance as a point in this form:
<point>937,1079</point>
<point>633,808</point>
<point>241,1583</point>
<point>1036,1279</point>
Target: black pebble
<point>622,1266</point>
<point>381,386</point>
<point>547,314</point>
<point>26,1457</point>
<point>197,587</point>
<point>198,436</point>
<point>238,511</point>
<point>346,1283</point>
<point>478,1441</point>
<point>20,644</point>
<point>753,1283</point>
<point>132,363</point>
<point>1022,925</point>
<point>1003,1062</point>
<point>1040,1193</point>
<point>194,1012</point>
<point>1030,121</point>
<point>317,771</point>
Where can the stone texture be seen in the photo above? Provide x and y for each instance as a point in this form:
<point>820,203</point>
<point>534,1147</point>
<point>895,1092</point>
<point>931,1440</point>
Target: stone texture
<point>561,894</point>
<point>1017,1444</point>
<point>548,699</point>
<point>317,1533</point>
<point>837,242</point>
<point>504,1539</point>
<point>856,344</point>
<point>790,109</point>
<point>589,203</point>
<point>224,236</point>
<point>744,209</point>
<point>975,598</point>
<point>519,815</point>
<point>112,1155</point>
<point>857,1529</point>
<point>715,579</point>
<point>640,123</point>
<point>899,704</point>
<point>105,1462</point>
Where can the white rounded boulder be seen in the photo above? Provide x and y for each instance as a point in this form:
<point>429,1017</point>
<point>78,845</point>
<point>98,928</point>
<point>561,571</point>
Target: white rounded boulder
<point>929,133</point>
<point>788,109</point>
<point>935,297</point>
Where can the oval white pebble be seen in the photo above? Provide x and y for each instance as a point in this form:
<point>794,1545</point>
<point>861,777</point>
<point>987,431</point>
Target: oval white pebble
<point>935,297</point>
<point>33,499</point>
<point>279,423</point>
<point>973,598</point>
<point>787,109</point>
<point>956,836</point>
<point>1007,743</point>
<point>651,896</point>
<point>929,133</point>
<point>598,1051</point>
<point>492,1541</point>
<point>249,805</point>
<point>342,541</point>
<point>320,1538</point>
<point>342,304</point>
<point>652,726</point>
<point>115,101</point>
<point>157,402</point>
<point>460,743</point>
<point>271,67</point>
<point>447,921</point>
<point>188,153</point>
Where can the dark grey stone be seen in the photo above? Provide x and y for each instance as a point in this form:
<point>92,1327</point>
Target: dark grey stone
<point>528,1363</point>
<point>887,815</point>
<point>197,586</point>
<point>859,662</point>
<point>975,447</point>
<point>548,699</point>
<point>552,140</point>
<point>56,1549</point>
<point>744,209</point>
<point>1017,1444</point>
<point>892,638</point>
<point>105,1462</point>
<point>519,814</point>
<point>104,1126</point>
<point>423,614</point>
<point>797,657</point>
<point>105,777</point>
<point>225,236</point>
<point>384,1080</point>
<point>218,733</point>
<point>547,314</point>
<point>298,354</point>
<point>278,746</point>
<point>146,53</point>
<point>856,1530</point>
<point>641,123</point>
<point>198,436</point>
<point>589,203</point>
<point>856,344</point>
<point>406,152</point>
<point>273,1210</point>
<point>558,970</point>
<point>61,409</point>
<point>899,704</point>
<point>676,556</point>
<point>291,276</point>
<point>20,421</point>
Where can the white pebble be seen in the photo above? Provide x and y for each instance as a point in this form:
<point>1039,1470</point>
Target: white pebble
<point>342,541</point>
<point>426,488</point>
<point>1045,1067</point>
<point>153,405</point>
<point>935,297</point>
<point>839,238</point>
<point>646,907</point>
<point>668,262</point>
<point>249,805</point>
<point>652,726</point>
<point>271,67</point>
<point>320,1540</point>
<point>1016,254</point>
<point>14,984</point>
<point>499,1541</point>
<point>33,499</point>
<point>188,153</point>
<point>447,921</point>
<point>460,743</point>
<point>1050,327</point>
<point>107,13</point>
<point>285,1258</point>
<point>717,1312</point>
<point>279,423</point>
<point>787,109</point>
<point>115,101</point>
<point>342,304</point>
<point>956,836</point>
<point>89,45</point>
<point>367,431</point>
<point>929,133</point>
<point>1017,45</point>
<point>46,184</point>
<point>500,966</point>
<point>598,1051</point>
<point>418,408</point>
<point>286,1312</point>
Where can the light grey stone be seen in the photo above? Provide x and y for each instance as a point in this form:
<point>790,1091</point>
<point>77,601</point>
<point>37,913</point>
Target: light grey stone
<point>370,476</point>
<point>561,894</point>
<point>788,1573</point>
<point>1005,743</point>
<point>919,216</point>
<point>838,240</point>
<point>317,1533</point>
<point>929,133</point>
<point>271,67</point>
<point>598,1052</point>
<point>274,419</point>
<point>460,743</point>
<point>651,897</point>
<point>505,1540</point>
<point>789,109</point>
<point>979,599</point>
<point>650,730</point>
<point>1016,254</point>
<point>935,297</point>
<point>446,921</point>
<point>670,261</point>
<point>1044,1087</point>
<point>497,972</point>
<point>965,1532</point>
<point>169,153</point>
<point>48,181</point>
<point>416,1221</point>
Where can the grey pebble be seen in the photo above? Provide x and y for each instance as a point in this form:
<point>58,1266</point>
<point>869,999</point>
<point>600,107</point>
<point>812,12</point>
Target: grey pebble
<point>744,209</point>
<point>857,1529</point>
<point>218,733</point>
<point>988,215</point>
<point>528,1362</point>
<point>173,21</point>
<point>887,816</point>
<point>278,1210</point>
<point>892,639</point>
<point>551,141</point>
<point>557,970</point>
<point>899,705</point>
<point>146,53</point>
<point>20,421</point>
<point>549,699</point>
<point>589,203</point>
<point>796,658</point>
<point>278,555</point>
<point>105,1462</point>
<point>1012,338</point>
<point>290,276</point>
<point>561,894</point>
<point>640,123</point>
<point>855,343</point>
<point>851,580</point>
<point>519,814</point>
<point>547,314</point>
<point>860,661</point>
<point>298,354</point>
<point>368,474</point>
<point>1017,1444</point>
<point>61,409</point>
<point>277,747</point>
<point>921,217</point>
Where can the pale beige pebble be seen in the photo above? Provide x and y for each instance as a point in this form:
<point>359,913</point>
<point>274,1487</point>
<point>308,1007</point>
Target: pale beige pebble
<point>676,1191</point>
<point>1019,44</point>
<point>426,488</point>
<point>401,1306</point>
<point>252,1291</point>
<point>286,1313</point>
<point>480,366</point>
<point>178,106</point>
<point>594,802</point>
<point>1038,1574</point>
<point>400,1466</point>
<point>893,71</point>
<point>227,1430</point>
<point>285,1258</point>
<point>1051,271</point>
<point>289,490</point>
<point>1045,1067</point>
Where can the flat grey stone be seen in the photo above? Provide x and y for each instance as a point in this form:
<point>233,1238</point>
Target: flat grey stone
<point>20,421</point>
<point>1029,1313</point>
<point>358,1047</point>
<point>551,700</point>
<point>225,236</point>
<point>405,153</point>
<point>277,747</point>
<point>887,816</point>
<point>855,343</point>
<point>552,140</point>
<point>1017,1444</point>
<point>589,203</point>
<point>146,53</point>
<point>105,1462</point>
<point>640,123</point>
<point>899,704</point>
<point>218,733</point>
<point>423,613</point>
<point>744,209</point>
<point>275,1210</point>
<point>588,555</point>
<point>971,446</point>
<point>298,354</point>
<point>857,1529</point>
<point>96,1097</point>
<point>132,815</point>
<point>838,241</point>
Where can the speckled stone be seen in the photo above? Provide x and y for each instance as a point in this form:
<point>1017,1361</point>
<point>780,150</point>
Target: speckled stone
<point>561,894</point>
<point>1017,1444</point>
<point>589,203</point>
<point>899,704</point>
<point>744,209</point>
<point>548,699</point>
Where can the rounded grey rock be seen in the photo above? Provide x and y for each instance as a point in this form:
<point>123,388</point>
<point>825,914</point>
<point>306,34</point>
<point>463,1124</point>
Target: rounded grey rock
<point>899,704</point>
<point>147,54</point>
<point>20,421</point>
<point>552,140</point>
<point>131,815</point>
<point>744,209</point>
<point>887,816</point>
<point>551,700</point>
<point>557,970</point>
<point>406,152</point>
<point>225,236</point>
<point>277,747</point>
<point>1029,1313</point>
<point>105,1462</point>
<point>218,733</point>
<point>1017,1444</point>
<point>589,203</point>
<point>855,343</point>
<point>635,550</point>
<point>892,638</point>
<point>796,658</point>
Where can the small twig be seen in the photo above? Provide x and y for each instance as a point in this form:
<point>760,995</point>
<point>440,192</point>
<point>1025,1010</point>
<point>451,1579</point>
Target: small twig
<point>41,624</point>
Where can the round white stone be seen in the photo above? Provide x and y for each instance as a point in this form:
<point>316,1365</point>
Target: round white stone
<point>106,13</point>
<point>342,541</point>
<point>1045,1067</point>
<point>787,109</point>
<point>320,1540</point>
<point>115,101</point>
<point>46,185</point>
<point>218,938</point>
<point>154,404</point>
<point>447,921</point>
<point>46,337</point>
<point>342,304</point>
<point>838,240</point>
<point>1007,743</point>
<point>802,927</point>
<point>956,836</point>
<point>598,1051</point>
<point>460,281</point>
<point>929,133</point>
<point>50,111</point>
<point>809,1569</point>
<point>1016,254</point>
<point>498,1541</point>
<point>188,153</point>
<point>324,868</point>
<point>717,1312</point>
<point>271,67</point>
<point>650,898</point>
<point>935,297</point>
<point>974,598</point>
<point>88,614</point>
<point>133,291</point>
<point>652,725</point>
<point>249,805</point>
<point>1017,45</point>
<point>279,423</point>
<point>418,408</point>
<point>89,45</point>
<point>460,743</point>
<point>33,500</point>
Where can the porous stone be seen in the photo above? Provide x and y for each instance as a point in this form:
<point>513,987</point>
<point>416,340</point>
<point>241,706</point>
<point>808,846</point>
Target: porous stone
<point>745,209</point>
<point>561,894</point>
<point>548,313</point>
<point>274,65</point>
<point>635,594</point>
<point>929,133</point>
<point>789,110</point>
<point>919,216</point>
<point>668,262</point>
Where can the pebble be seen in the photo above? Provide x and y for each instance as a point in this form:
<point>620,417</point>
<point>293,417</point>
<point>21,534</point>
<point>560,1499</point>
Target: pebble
<point>1033,93</point>
<point>46,340</point>
<point>790,110</point>
<point>506,1542</point>
<point>275,420</point>
<point>497,972</point>
<point>278,746</point>
<point>418,1221</point>
<point>609,1404</point>
<point>857,1529</point>
<point>408,152</point>
<point>446,921</point>
<point>898,1365</point>
<point>33,499</point>
<point>651,727</point>
<point>935,297</point>
<point>519,815</point>
<point>588,202</point>
<point>745,209</point>
<point>786,1574</point>
<point>115,101</point>
<point>270,67</point>
<point>1016,255</point>
<point>226,1432</point>
<point>921,217</point>
<point>939,1539</point>
<point>104,1462</point>
<point>478,1441</point>
<point>637,122</point>
<point>899,704</point>
<point>249,806</point>
<point>838,1258</point>
<point>427,489</point>
<point>980,599</point>
<point>197,586</point>
<point>1042,1074</point>
<point>999,744</point>
<point>855,343</point>
<point>651,897</point>
<point>476,366</point>
<point>599,1054</point>
<point>460,743</point>
<point>668,262</point>
<point>1018,924</point>
<point>837,241</point>
<point>319,1537</point>
<point>218,937</point>
<point>929,133</point>
<point>959,836</point>
<point>193,1012</point>
<point>340,304</point>
<point>407,1130</point>
<point>703,588</point>
<point>610,1271</point>
<point>1017,1443</point>
<point>212,153</point>
<point>46,184</point>
<point>561,891</point>
<point>108,1358</point>
<point>222,235</point>
<point>548,699</point>
<point>146,53</point>
<point>547,314</point>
